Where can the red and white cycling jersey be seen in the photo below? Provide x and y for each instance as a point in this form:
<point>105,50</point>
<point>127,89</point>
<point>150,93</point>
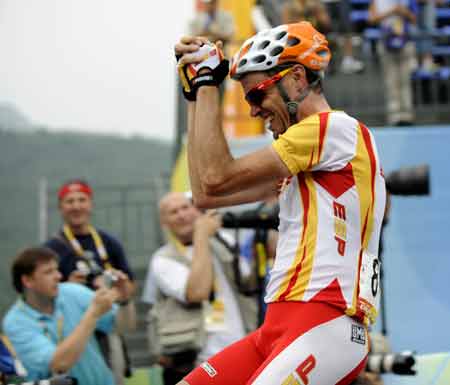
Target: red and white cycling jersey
<point>331,211</point>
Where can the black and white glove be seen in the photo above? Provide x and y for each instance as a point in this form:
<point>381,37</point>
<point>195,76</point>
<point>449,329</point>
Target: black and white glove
<point>209,57</point>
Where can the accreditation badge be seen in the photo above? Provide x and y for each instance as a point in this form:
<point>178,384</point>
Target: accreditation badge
<point>214,314</point>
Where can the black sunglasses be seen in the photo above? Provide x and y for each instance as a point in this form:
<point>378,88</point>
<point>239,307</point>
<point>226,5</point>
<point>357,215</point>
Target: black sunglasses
<point>257,94</point>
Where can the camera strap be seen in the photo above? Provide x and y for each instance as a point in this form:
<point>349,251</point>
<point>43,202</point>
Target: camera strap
<point>99,245</point>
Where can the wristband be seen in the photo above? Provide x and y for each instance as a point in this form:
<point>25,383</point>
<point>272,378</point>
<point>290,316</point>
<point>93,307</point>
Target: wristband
<point>213,60</point>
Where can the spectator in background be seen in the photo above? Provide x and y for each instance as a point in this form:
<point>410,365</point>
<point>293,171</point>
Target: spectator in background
<point>212,22</point>
<point>313,11</point>
<point>193,268</point>
<point>397,54</point>
<point>427,26</point>
<point>85,253</point>
<point>51,325</point>
<point>260,19</point>
<point>318,15</point>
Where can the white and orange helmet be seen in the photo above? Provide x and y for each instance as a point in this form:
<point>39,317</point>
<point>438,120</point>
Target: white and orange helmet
<point>289,43</point>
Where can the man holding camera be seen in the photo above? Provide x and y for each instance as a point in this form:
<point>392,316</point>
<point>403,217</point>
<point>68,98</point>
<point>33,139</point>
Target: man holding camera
<point>84,251</point>
<point>324,167</point>
<point>92,257</point>
<point>192,275</point>
<point>51,325</point>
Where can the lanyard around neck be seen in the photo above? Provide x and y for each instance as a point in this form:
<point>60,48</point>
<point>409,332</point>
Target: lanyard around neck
<point>99,246</point>
<point>59,329</point>
<point>59,323</point>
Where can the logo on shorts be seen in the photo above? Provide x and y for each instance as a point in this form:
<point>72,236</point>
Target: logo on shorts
<point>358,334</point>
<point>208,369</point>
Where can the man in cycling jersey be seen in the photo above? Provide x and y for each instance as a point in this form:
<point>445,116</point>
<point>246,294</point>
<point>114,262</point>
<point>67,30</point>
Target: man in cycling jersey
<point>323,164</point>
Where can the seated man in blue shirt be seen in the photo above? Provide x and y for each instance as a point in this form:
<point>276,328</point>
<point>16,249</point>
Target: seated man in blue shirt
<point>51,325</point>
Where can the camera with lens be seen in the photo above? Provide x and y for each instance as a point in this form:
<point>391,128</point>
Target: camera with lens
<point>265,218</point>
<point>109,278</point>
<point>91,269</point>
<point>88,265</point>
<point>396,363</point>
<point>409,181</point>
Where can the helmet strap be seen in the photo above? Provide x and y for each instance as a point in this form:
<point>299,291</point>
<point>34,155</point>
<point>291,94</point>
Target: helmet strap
<point>292,105</point>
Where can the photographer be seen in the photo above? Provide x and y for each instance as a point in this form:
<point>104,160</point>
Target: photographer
<point>196,311</point>
<point>85,253</point>
<point>51,325</point>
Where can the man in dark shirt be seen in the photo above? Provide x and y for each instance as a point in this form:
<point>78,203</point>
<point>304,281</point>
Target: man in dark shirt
<point>86,253</point>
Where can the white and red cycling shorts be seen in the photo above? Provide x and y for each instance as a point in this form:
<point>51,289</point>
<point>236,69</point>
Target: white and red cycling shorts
<point>299,343</point>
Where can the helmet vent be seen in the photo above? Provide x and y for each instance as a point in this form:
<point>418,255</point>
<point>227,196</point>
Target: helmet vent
<point>259,59</point>
<point>276,51</point>
<point>322,53</point>
<point>292,41</point>
<point>243,62</point>
<point>280,35</point>
<point>264,44</point>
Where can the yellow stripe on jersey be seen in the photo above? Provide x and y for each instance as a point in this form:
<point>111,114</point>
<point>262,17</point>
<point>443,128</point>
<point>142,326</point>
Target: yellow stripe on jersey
<point>364,182</point>
<point>299,146</point>
<point>298,275</point>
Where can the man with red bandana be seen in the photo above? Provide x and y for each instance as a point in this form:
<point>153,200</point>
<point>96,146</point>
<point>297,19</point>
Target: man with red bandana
<point>85,253</point>
<point>323,164</point>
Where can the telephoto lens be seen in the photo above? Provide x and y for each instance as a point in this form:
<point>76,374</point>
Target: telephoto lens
<point>397,363</point>
<point>409,181</point>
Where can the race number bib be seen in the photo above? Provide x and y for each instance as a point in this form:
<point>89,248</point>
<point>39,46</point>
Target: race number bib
<point>369,285</point>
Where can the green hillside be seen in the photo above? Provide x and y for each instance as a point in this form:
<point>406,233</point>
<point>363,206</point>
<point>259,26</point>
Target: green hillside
<point>25,158</point>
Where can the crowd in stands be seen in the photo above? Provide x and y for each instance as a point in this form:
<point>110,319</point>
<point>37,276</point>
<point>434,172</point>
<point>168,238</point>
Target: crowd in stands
<point>410,61</point>
<point>409,38</point>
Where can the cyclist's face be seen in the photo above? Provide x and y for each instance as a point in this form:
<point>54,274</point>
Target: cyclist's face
<point>266,103</point>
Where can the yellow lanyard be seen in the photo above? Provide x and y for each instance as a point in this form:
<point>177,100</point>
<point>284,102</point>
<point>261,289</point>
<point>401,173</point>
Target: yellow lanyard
<point>99,246</point>
<point>20,370</point>
<point>59,329</point>
<point>8,345</point>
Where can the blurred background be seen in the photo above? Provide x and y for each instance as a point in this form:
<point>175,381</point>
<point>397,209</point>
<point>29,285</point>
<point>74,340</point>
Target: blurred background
<point>89,89</point>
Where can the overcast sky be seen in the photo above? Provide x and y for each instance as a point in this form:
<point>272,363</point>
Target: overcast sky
<point>93,65</point>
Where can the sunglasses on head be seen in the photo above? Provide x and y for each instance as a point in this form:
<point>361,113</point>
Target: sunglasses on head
<point>257,94</point>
